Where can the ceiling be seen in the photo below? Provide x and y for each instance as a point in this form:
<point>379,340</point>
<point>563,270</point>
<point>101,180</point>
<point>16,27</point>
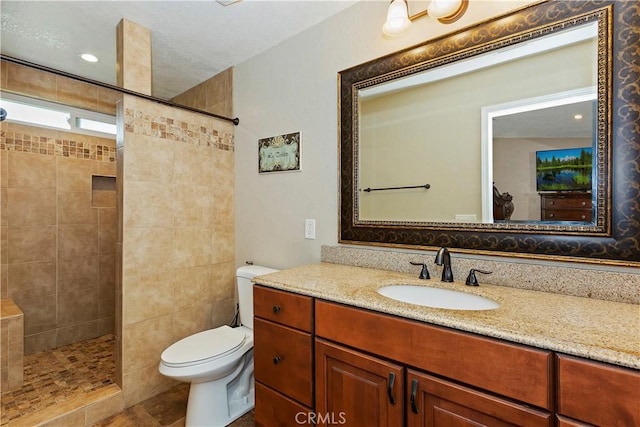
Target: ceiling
<point>191,40</point>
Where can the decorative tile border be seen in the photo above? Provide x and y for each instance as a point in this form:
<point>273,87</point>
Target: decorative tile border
<point>142,123</point>
<point>73,148</point>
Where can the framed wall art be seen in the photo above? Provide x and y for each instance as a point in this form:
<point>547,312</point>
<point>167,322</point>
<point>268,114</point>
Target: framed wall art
<point>279,153</point>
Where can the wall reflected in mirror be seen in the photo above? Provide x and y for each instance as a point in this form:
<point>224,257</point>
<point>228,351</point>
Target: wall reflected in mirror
<point>427,128</point>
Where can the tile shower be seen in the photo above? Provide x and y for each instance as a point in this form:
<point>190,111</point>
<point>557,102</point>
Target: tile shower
<point>59,221</point>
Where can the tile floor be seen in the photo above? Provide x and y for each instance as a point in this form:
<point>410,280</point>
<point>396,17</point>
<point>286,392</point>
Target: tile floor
<point>167,409</point>
<point>62,374</point>
<point>58,375</point>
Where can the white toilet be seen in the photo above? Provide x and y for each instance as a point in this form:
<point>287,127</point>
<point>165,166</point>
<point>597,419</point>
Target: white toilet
<point>218,363</point>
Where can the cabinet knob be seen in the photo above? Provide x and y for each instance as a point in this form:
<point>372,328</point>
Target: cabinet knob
<point>552,202</point>
<point>276,360</point>
<point>276,308</point>
<point>584,203</point>
<point>583,217</point>
<point>551,215</point>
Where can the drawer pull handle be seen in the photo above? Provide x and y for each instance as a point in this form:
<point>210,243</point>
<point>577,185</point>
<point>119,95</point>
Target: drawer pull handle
<point>392,381</point>
<point>277,359</point>
<point>276,308</point>
<point>414,391</point>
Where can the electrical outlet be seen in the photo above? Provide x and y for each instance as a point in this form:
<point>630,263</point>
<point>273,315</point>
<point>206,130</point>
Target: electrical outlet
<point>309,228</point>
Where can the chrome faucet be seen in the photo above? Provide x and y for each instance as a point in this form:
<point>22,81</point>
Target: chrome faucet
<point>443,258</point>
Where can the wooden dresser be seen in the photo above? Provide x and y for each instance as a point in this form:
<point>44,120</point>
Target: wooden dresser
<point>566,206</point>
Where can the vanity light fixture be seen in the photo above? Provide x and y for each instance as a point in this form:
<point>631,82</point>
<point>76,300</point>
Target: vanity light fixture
<point>578,117</point>
<point>445,11</point>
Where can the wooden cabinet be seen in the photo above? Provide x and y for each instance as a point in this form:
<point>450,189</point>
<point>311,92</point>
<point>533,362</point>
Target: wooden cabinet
<point>566,207</point>
<point>324,363</point>
<point>597,394</point>
<point>436,402</point>
<point>357,389</point>
<point>283,357</point>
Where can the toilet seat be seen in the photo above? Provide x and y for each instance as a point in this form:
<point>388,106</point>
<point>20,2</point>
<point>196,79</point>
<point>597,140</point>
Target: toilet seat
<point>203,347</point>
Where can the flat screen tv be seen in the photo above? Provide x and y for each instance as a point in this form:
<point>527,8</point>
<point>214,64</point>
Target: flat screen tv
<point>567,169</point>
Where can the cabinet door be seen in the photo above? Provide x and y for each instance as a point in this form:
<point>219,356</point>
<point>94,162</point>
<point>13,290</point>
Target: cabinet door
<point>277,410</point>
<point>433,402</point>
<point>354,389</point>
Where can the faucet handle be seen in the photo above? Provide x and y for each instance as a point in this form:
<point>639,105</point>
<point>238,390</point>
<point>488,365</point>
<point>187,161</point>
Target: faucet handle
<point>471,278</point>
<point>424,274</point>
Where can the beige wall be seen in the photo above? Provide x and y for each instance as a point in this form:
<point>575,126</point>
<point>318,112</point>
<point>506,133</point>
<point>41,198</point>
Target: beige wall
<point>58,237</point>
<point>178,272</point>
<point>293,87</point>
<point>432,134</point>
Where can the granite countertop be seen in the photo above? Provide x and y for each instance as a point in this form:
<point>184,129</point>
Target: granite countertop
<point>595,329</point>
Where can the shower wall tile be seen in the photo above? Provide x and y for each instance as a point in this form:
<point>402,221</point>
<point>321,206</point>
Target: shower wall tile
<point>20,203</point>
<point>193,166</point>
<point>75,208</point>
<point>223,281</point>
<point>149,159</point>
<point>75,333</point>
<point>144,383</point>
<point>192,205</point>
<point>4,282</point>
<point>147,297</point>
<point>192,320</point>
<point>77,93</point>
<point>152,207</point>
<point>222,312</point>
<point>145,340</point>
<point>28,170</point>
<point>77,240</point>
<point>108,270</point>
<point>35,343</point>
<point>4,245</point>
<point>32,280</point>
<point>107,168</point>
<point>26,244</point>
<point>24,79</point>
<point>191,246</point>
<point>75,174</point>
<point>148,250</point>
<point>191,286</point>
<point>222,242</point>
<point>78,273</point>
<point>39,312</point>
<point>106,302</point>
<point>77,306</point>
<point>106,325</point>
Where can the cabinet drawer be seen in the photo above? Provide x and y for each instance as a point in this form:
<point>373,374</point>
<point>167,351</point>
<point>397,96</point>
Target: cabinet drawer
<point>283,360</point>
<point>597,393</point>
<point>274,409</point>
<point>434,401</point>
<point>511,370</point>
<point>283,307</point>
<point>567,215</point>
<point>567,202</point>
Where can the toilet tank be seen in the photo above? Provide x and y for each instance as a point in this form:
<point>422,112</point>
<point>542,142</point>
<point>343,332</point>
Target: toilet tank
<point>245,290</point>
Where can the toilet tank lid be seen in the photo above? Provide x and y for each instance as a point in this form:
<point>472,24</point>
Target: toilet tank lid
<point>251,271</point>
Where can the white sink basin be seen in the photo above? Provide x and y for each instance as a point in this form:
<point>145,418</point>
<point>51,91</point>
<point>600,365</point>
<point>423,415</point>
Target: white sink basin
<point>437,298</point>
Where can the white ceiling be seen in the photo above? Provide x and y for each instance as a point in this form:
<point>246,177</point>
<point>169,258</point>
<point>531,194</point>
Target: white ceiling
<point>191,40</point>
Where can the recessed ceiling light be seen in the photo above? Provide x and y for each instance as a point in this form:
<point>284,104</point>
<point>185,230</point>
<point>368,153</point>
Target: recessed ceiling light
<point>89,57</point>
<point>227,2</point>
<point>578,117</point>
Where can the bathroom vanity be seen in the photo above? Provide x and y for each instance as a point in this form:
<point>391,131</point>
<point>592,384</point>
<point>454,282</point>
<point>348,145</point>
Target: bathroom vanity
<point>329,348</point>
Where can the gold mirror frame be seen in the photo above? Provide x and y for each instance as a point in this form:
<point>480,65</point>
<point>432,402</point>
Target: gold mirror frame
<point>614,236</point>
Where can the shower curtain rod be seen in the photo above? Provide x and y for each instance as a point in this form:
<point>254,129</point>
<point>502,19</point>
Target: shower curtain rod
<point>425,186</point>
<point>18,61</point>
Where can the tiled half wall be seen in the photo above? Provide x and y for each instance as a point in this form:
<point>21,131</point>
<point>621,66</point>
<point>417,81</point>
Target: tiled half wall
<point>176,276</point>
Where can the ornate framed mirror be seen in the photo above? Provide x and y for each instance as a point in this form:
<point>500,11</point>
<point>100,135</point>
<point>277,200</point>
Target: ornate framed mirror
<point>434,137</point>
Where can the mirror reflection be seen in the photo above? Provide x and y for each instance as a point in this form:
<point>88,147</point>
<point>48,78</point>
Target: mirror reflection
<point>505,118</point>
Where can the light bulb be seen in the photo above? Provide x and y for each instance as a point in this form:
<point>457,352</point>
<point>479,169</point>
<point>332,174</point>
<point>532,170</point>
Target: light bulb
<point>397,18</point>
<point>443,8</point>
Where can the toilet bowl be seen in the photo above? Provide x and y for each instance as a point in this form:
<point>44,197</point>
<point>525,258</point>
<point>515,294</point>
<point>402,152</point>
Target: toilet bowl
<point>218,363</point>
